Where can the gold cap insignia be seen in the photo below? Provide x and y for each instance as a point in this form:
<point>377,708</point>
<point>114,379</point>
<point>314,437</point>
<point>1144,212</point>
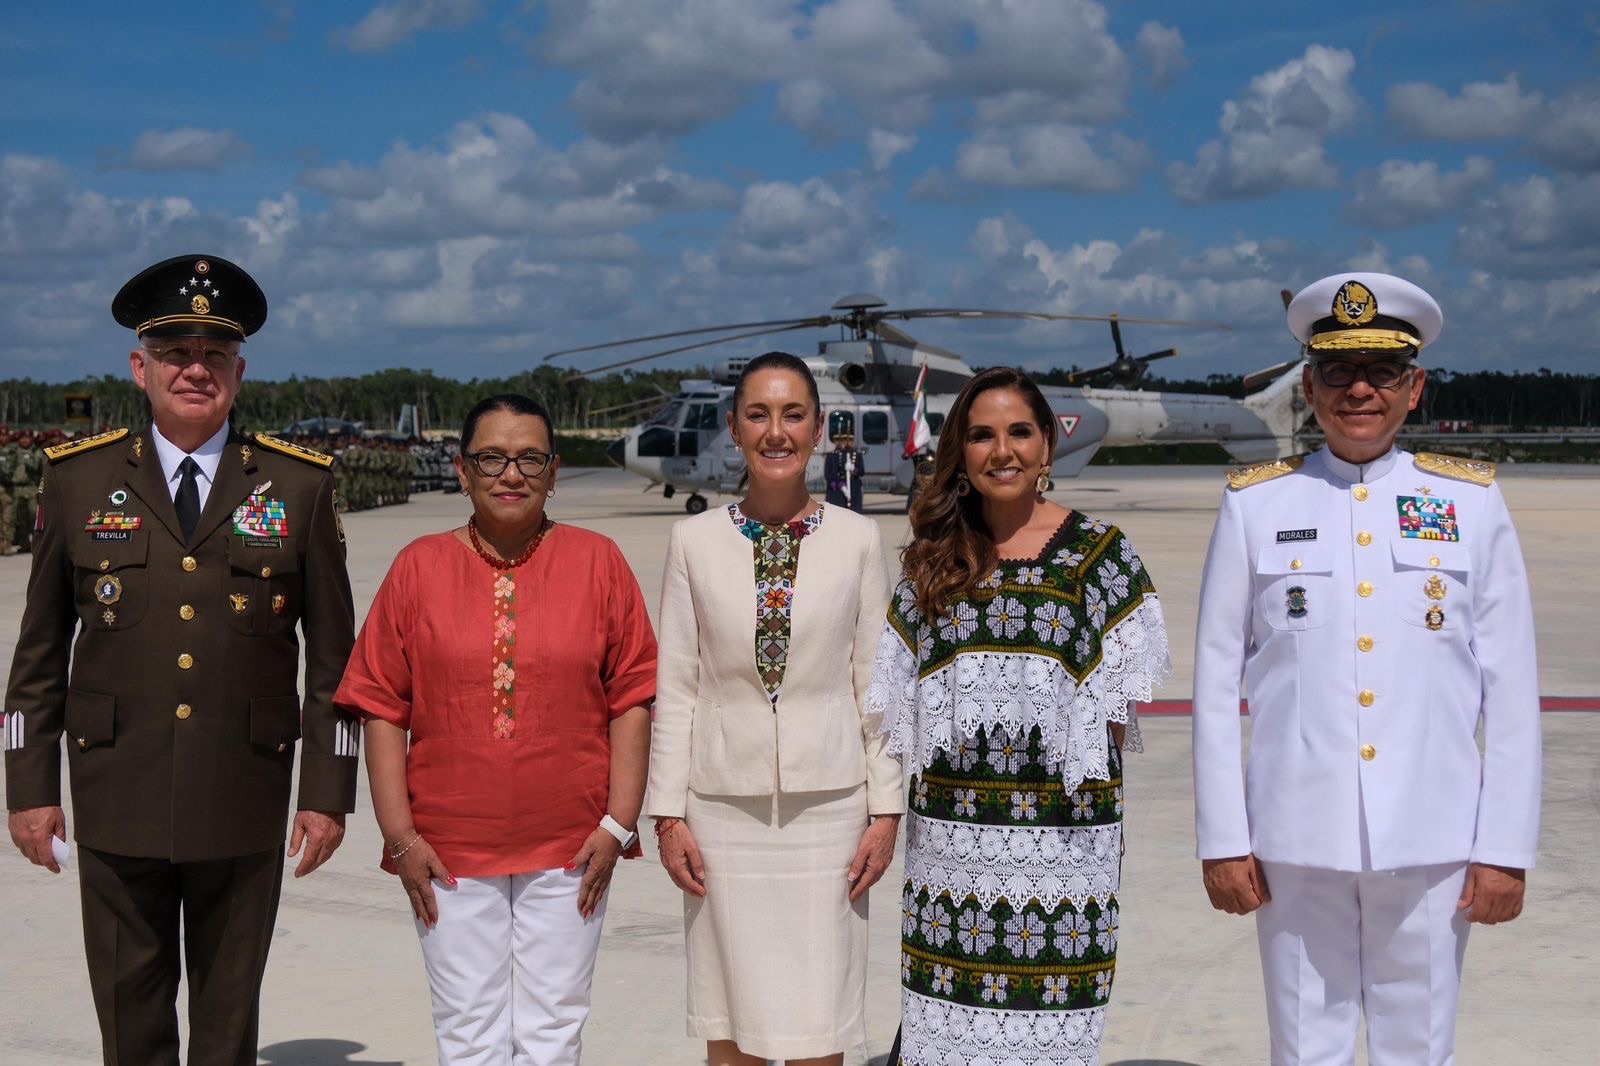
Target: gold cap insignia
<point>201,305</point>
<point>1354,304</point>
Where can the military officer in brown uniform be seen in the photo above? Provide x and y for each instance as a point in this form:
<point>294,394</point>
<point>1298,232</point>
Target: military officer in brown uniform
<point>170,573</point>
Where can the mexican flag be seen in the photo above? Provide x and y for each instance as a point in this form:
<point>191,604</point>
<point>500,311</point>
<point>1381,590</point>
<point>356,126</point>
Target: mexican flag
<point>917,437</point>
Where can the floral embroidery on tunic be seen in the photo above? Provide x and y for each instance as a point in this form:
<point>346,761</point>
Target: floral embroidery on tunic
<point>777,557</point>
<point>505,665</point>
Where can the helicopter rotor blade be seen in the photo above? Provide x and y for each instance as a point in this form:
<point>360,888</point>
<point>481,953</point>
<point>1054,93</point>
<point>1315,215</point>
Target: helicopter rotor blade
<point>1116,338</point>
<point>1286,296</point>
<point>1043,316</point>
<point>581,374</point>
<point>1165,353</point>
<point>896,336</point>
<point>781,323</point>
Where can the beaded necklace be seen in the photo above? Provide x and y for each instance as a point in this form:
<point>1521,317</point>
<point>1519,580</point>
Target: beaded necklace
<point>494,560</point>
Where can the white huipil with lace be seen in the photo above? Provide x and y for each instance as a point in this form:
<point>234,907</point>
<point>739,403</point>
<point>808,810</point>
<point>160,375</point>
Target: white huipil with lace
<point>1000,709</point>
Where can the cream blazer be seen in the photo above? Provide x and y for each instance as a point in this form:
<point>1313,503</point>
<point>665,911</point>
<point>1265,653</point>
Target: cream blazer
<point>715,730</point>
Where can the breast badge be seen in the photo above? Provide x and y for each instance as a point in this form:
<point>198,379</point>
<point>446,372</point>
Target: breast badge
<point>277,603</point>
<point>1434,619</point>
<point>240,601</point>
<point>1297,601</point>
<point>1427,517</point>
<point>1435,587</point>
<point>108,589</point>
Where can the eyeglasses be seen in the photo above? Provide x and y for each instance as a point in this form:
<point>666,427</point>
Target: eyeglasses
<point>1339,374</point>
<point>493,464</point>
<point>180,356</point>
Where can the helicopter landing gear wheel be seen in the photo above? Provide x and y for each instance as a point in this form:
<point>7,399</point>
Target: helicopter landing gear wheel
<point>695,504</point>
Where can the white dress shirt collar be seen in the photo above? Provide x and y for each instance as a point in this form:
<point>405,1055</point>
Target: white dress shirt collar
<point>207,457</point>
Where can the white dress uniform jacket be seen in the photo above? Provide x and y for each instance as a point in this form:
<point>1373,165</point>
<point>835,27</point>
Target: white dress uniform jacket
<point>1370,658</point>
<point>715,729</point>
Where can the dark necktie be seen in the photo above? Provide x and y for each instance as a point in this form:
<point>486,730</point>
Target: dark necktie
<point>188,498</point>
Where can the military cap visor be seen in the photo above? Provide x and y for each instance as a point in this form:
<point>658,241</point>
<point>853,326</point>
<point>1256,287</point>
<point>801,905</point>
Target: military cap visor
<point>1364,312</point>
<point>191,295</point>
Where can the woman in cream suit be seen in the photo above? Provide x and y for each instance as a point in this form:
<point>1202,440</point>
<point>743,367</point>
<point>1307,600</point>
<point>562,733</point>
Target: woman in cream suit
<point>774,807</point>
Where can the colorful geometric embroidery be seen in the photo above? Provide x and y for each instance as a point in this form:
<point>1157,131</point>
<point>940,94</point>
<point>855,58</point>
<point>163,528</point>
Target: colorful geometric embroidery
<point>1427,518</point>
<point>777,557</point>
<point>260,517</point>
<point>505,657</point>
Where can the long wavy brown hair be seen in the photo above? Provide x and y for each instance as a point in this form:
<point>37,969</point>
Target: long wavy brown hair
<point>952,548</point>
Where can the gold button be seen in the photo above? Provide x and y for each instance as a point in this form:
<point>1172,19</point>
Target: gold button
<point>1365,643</point>
<point>1363,538</point>
<point>283,747</point>
<point>186,612</point>
<point>190,562</point>
<point>83,743</point>
<point>1433,561</point>
<point>1295,564</point>
<point>1360,492</point>
<point>1364,589</point>
<point>1368,752</point>
<point>185,661</point>
<point>266,571</point>
<point>184,710</point>
<point>105,564</point>
<point>1367,697</point>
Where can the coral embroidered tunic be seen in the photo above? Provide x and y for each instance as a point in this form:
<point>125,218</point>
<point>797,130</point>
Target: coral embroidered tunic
<point>507,681</point>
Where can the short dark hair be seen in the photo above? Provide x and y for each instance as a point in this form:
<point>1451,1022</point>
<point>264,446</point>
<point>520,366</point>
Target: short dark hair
<point>514,402</point>
<point>778,361</point>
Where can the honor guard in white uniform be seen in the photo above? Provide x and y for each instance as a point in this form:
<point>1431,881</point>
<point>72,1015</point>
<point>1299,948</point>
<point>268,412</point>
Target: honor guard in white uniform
<point>1375,607</point>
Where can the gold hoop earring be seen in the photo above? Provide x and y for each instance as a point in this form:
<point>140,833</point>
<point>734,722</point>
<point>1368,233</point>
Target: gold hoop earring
<point>963,486</point>
<point>1042,482</point>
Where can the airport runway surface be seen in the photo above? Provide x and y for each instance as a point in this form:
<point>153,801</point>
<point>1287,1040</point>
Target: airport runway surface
<point>345,982</point>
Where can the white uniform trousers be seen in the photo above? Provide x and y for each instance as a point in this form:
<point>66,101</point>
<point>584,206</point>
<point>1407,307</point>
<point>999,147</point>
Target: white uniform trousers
<point>510,964</point>
<point>1336,944</point>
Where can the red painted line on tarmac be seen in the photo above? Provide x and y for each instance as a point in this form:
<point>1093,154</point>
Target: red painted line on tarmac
<point>1548,704</point>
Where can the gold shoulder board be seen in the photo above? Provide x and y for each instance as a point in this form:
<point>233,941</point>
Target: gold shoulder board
<point>1474,470</point>
<point>305,455</point>
<point>57,452</point>
<point>1245,476</point>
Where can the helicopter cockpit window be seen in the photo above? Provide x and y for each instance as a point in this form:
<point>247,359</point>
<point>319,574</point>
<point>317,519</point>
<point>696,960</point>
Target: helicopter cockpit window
<point>668,416</point>
<point>657,442</point>
<point>935,422</point>
<point>703,416</point>
<point>874,427</point>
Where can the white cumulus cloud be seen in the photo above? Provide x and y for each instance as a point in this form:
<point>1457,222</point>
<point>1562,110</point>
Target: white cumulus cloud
<point>187,148</point>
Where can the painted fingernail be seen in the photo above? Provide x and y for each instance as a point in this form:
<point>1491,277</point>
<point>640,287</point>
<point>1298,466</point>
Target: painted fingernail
<point>450,880</point>
<point>570,866</point>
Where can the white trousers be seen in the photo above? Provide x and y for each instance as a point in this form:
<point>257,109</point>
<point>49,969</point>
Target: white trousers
<point>510,964</point>
<point>1388,943</point>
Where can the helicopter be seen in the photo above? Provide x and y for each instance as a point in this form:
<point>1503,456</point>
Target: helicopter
<point>867,383</point>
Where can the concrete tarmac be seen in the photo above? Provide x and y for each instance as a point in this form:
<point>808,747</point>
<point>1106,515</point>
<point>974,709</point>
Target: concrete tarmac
<point>345,984</point>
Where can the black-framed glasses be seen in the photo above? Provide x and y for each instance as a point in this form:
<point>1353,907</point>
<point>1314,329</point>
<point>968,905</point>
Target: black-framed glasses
<point>1341,374</point>
<point>179,356</point>
<point>493,464</point>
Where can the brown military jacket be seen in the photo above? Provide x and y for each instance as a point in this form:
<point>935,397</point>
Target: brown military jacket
<point>171,666</point>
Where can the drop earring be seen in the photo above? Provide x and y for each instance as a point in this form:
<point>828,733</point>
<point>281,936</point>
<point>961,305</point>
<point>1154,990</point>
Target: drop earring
<point>963,486</point>
<point>1042,483</point>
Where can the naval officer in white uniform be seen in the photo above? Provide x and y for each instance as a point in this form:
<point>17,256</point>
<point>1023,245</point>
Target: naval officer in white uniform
<point>1375,606</point>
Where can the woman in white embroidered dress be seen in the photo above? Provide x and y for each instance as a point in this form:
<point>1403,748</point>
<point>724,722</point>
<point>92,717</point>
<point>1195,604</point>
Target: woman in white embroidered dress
<point>1015,644</point>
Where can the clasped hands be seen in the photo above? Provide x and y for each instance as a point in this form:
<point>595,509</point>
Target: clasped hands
<point>680,855</point>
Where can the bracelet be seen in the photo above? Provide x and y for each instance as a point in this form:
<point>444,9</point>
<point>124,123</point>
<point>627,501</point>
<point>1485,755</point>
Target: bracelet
<point>665,826</point>
<point>400,849</point>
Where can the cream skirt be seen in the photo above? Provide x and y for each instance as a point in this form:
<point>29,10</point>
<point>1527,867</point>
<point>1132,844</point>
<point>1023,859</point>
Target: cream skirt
<point>777,952</point>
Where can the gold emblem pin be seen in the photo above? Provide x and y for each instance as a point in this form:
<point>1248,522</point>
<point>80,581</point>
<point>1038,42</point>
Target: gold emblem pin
<point>1434,588</point>
<point>277,603</point>
<point>108,590</point>
<point>244,456</point>
<point>239,600</point>
<point>108,616</point>
<point>1434,618</point>
<point>138,447</point>
<point>200,304</point>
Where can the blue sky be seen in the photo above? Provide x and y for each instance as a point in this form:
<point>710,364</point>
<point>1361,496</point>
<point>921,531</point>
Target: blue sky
<point>464,185</point>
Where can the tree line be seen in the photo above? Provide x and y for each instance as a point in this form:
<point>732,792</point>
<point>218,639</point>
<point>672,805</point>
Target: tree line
<point>1514,401</point>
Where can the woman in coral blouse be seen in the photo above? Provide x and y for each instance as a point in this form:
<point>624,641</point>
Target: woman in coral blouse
<point>515,656</point>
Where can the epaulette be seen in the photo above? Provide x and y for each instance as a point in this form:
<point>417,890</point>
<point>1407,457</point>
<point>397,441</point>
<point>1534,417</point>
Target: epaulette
<point>305,455</point>
<point>1453,466</point>
<point>57,452</point>
<point>1256,473</point>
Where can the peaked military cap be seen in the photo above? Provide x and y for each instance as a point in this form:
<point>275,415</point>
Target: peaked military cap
<point>191,295</point>
<point>1364,312</point>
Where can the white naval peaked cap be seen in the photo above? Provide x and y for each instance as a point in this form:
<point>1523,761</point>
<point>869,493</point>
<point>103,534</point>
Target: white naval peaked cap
<point>1364,312</point>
